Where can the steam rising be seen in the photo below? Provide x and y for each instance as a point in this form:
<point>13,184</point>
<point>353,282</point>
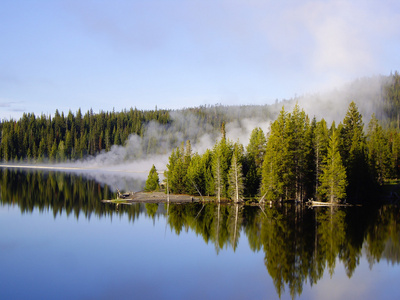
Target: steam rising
<point>134,156</point>
<point>127,166</point>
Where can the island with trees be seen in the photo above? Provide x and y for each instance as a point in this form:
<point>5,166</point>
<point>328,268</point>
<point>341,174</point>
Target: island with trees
<point>299,159</point>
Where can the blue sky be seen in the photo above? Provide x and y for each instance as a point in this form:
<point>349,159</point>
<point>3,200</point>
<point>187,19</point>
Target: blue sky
<point>117,54</point>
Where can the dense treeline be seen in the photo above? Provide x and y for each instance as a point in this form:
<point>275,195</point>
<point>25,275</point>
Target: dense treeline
<point>298,159</point>
<point>63,137</point>
<point>74,136</point>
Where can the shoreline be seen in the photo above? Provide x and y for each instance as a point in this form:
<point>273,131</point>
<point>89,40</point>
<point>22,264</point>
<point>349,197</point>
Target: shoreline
<point>155,197</point>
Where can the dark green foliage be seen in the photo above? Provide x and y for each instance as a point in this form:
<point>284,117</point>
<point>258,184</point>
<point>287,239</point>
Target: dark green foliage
<point>195,179</point>
<point>153,181</point>
<point>300,145</point>
<point>298,164</point>
<point>254,159</point>
<point>354,153</point>
<point>378,151</point>
<point>287,168</point>
<point>333,179</point>
<point>235,175</point>
<point>206,167</point>
<point>92,133</point>
<point>275,170</point>
<point>70,137</point>
<point>175,173</point>
<point>288,164</point>
<point>393,137</point>
<point>180,175</point>
<point>320,149</point>
<point>222,155</point>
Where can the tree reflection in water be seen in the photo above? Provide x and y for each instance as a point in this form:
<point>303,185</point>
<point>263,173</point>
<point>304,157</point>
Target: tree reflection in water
<point>299,243</point>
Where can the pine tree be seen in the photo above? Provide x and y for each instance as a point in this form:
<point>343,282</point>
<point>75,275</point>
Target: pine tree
<point>222,155</point>
<point>333,178</point>
<point>153,181</point>
<point>378,151</point>
<point>299,147</point>
<point>207,171</point>
<point>255,152</point>
<point>194,176</point>
<point>218,177</point>
<point>275,177</point>
<point>53,151</point>
<point>321,142</point>
<point>236,186</point>
<point>352,135</point>
<point>61,152</point>
<point>394,145</point>
<point>353,153</point>
<point>175,172</point>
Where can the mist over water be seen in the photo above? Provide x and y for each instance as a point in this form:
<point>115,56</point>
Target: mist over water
<point>135,158</point>
<point>138,154</point>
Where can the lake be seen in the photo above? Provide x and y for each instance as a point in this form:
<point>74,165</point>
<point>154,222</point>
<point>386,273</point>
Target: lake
<point>59,241</point>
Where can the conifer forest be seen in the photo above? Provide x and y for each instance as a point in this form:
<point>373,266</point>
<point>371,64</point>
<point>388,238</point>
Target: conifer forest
<point>299,157</point>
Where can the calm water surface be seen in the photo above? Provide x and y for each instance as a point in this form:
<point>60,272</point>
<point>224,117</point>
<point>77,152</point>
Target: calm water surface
<point>58,241</point>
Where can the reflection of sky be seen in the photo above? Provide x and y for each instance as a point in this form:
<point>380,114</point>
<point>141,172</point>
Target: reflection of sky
<point>104,258</point>
<point>65,258</point>
<point>120,178</point>
<point>380,282</point>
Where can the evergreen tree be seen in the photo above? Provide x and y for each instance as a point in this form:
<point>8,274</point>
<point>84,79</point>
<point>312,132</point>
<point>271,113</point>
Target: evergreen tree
<point>222,155</point>
<point>378,151</point>
<point>194,176</point>
<point>153,181</point>
<point>53,151</point>
<point>255,152</point>
<point>299,146</point>
<point>175,172</point>
<point>394,145</point>
<point>333,178</point>
<point>353,153</point>
<point>321,141</point>
<point>275,176</point>
<point>218,177</point>
<point>207,171</point>
<point>236,185</point>
<point>61,151</point>
<point>286,168</point>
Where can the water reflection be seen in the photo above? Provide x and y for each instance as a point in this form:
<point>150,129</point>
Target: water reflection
<point>299,244</point>
<point>58,192</point>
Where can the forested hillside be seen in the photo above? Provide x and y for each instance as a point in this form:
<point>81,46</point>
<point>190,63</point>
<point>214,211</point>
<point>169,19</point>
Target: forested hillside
<point>74,136</point>
<point>299,158</point>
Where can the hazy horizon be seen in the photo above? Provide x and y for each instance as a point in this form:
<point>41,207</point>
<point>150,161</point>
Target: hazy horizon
<point>69,54</point>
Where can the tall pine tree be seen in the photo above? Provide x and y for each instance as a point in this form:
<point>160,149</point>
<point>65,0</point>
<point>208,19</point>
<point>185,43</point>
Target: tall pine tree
<point>321,142</point>
<point>275,176</point>
<point>222,155</point>
<point>378,151</point>
<point>333,178</point>
<point>255,152</point>
<point>236,185</point>
<point>353,153</point>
